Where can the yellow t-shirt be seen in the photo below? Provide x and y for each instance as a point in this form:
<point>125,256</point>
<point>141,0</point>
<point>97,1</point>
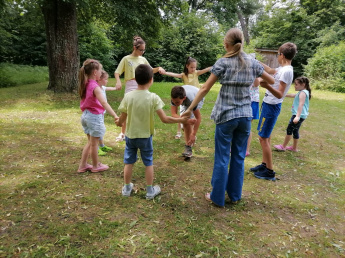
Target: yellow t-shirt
<point>128,65</point>
<point>191,79</point>
<point>140,106</point>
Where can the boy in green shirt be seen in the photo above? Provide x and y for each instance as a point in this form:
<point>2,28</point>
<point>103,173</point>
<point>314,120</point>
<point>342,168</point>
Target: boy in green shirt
<point>138,108</point>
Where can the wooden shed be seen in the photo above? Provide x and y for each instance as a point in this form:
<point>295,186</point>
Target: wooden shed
<point>270,56</point>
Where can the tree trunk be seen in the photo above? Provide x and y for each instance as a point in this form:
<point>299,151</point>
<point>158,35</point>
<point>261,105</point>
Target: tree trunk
<point>60,18</point>
<point>244,26</point>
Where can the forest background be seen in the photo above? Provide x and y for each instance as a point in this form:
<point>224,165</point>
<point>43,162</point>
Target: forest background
<point>44,33</point>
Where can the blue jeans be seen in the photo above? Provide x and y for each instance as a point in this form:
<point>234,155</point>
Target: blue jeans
<point>234,134</point>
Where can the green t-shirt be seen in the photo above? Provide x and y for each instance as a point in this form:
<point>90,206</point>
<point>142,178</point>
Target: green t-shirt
<point>140,106</point>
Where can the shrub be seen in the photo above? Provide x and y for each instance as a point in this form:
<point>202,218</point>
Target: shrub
<point>326,68</point>
<point>13,75</point>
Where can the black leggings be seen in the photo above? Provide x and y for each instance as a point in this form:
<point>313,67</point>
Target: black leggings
<point>294,128</point>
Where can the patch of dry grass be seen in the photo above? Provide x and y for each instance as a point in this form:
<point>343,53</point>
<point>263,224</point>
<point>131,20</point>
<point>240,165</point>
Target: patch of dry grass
<point>48,209</point>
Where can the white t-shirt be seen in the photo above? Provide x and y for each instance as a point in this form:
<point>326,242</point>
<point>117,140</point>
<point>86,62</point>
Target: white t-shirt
<point>284,74</point>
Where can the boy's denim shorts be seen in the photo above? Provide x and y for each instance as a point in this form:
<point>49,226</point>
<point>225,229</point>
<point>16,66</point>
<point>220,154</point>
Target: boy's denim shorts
<point>268,119</point>
<point>93,125</point>
<point>146,150</point>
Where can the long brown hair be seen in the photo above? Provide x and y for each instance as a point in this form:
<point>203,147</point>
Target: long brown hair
<point>188,61</point>
<point>234,37</point>
<point>305,81</point>
<point>137,42</point>
<point>85,71</point>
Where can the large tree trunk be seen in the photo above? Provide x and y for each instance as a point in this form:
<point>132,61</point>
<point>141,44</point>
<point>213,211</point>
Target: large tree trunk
<point>244,26</point>
<point>62,44</point>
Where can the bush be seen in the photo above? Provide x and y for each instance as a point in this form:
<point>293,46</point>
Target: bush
<point>326,68</point>
<point>13,75</point>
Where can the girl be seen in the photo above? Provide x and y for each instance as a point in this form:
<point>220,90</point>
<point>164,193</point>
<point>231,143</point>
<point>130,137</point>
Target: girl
<point>128,65</point>
<point>299,110</point>
<point>189,77</point>
<point>92,104</point>
<point>103,81</point>
<point>232,114</point>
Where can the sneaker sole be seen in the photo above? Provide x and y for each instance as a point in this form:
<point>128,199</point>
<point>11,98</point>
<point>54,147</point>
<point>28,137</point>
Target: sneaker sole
<point>266,178</point>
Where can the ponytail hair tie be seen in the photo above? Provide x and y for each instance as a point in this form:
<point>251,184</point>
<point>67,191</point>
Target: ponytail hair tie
<point>238,41</point>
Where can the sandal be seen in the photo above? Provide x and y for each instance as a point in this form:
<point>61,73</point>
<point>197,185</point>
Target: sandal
<point>178,136</point>
<point>120,138</point>
<point>100,167</point>
<point>208,198</point>
<point>290,148</point>
<point>88,167</point>
<point>279,147</point>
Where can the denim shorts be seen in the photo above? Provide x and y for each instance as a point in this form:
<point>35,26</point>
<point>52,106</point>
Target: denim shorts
<point>268,119</point>
<point>146,150</point>
<point>93,124</point>
<point>255,109</point>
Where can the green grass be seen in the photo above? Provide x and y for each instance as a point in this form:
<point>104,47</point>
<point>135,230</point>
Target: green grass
<point>47,209</point>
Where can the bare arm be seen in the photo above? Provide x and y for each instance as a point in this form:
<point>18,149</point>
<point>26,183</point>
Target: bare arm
<point>200,72</point>
<point>301,97</point>
<point>277,93</point>
<point>256,82</point>
<point>174,111</point>
<point>195,128</point>
<point>290,95</point>
<point>110,88</point>
<point>169,119</point>
<point>158,69</point>
<point>99,95</point>
<point>201,93</point>
<point>176,75</point>
<point>268,69</point>
<point>118,84</point>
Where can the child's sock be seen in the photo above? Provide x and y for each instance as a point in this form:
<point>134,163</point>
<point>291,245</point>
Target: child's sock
<point>269,170</point>
<point>128,187</point>
<point>263,163</point>
<point>101,145</point>
<point>149,189</point>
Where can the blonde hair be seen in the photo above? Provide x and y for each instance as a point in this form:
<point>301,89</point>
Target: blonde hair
<point>234,37</point>
<point>103,75</point>
<point>84,73</point>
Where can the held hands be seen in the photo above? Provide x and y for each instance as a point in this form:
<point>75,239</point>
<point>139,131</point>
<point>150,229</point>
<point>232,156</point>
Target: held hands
<point>296,119</point>
<point>264,84</point>
<point>187,114</point>
<point>161,70</point>
<point>118,86</point>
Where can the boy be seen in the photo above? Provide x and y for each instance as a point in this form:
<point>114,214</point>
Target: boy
<point>271,107</point>
<point>183,96</point>
<point>138,109</point>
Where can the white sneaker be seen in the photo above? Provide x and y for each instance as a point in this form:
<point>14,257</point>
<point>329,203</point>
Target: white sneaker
<point>120,138</point>
<point>125,192</point>
<point>156,191</point>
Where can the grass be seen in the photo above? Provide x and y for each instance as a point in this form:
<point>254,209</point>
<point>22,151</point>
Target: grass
<point>47,209</point>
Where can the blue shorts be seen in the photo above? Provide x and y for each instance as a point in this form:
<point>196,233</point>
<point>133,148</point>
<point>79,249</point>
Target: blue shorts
<point>146,150</point>
<point>255,109</point>
<point>268,119</point>
<point>93,125</point>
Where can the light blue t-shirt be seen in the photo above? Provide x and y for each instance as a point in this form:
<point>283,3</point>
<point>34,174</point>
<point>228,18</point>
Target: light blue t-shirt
<point>305,108</point>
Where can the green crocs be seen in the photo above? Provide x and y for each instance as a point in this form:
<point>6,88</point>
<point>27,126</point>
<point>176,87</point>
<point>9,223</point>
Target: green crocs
<point>101,153</point>
<point>106,148</point>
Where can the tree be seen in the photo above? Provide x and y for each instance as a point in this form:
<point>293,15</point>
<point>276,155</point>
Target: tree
<point>62,44</point>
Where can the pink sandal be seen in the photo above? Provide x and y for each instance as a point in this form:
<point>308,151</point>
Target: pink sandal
<point>88,167</point>
<point>279,147</point>
<point>290,148</point>
<point>100,167</point>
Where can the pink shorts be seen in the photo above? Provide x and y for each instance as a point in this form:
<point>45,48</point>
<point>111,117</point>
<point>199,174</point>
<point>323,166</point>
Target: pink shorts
<point>131,85</point>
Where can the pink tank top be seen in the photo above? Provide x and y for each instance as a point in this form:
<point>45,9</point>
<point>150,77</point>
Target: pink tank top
<point>90,102</point>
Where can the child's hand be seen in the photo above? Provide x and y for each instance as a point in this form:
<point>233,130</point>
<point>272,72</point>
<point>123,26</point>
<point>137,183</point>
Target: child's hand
<point>161,70</point>
<point>118,86</point>
<point>264,84</point>
<point>187,114</point>
<point>296,119</point>
<point>191,140</point>
<point>191,121</point>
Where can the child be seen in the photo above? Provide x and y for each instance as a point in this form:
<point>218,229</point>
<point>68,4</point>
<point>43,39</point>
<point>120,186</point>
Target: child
<point>255,98</point>
<point>271,107</point>
<point>92,104</point>
<point>138,109</point>
<point>183,96</point>
<point>127,65</point>
<point>189,77</point>
<point>299,110</point>
<point>232,114</point>
<point>103,81</point>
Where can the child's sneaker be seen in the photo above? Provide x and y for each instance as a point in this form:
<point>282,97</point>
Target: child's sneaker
<point>178,135</point>
<point>106,148</point>
<point>187,151</point>
<point>127,189</point>
<point>290,148</point>
<point>265,174</point>
<point>279,147</point>
<point>154,193</point>
<point>101,153</point>
<point>258,168</point>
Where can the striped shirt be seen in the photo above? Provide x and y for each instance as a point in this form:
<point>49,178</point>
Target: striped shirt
<point>234,100</point>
